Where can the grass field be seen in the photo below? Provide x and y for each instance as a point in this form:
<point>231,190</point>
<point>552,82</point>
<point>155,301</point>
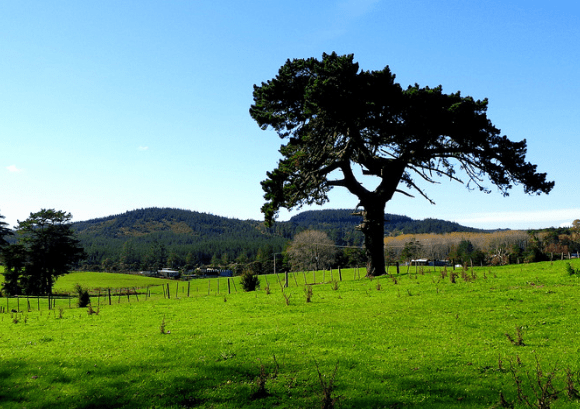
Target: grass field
<point>404,341</point>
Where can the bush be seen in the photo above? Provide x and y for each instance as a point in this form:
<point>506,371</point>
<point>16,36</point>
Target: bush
<point>249,281</point>
<point>83,296</point>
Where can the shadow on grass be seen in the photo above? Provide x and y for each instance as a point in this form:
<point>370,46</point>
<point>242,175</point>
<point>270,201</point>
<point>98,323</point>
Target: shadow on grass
<point>226,384</point>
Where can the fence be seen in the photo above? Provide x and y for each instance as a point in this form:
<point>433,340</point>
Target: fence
<point>178,289</point>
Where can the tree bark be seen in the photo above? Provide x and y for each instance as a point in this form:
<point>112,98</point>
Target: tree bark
<point>373,230</point>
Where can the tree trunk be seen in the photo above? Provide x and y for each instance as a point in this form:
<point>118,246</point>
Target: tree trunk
<point>373,226</point>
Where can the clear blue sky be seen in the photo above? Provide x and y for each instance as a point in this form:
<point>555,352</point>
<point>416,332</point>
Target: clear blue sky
<point>109,106</point>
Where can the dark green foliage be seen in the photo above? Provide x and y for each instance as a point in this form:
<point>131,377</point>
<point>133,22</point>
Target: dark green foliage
<point>249,281</point>
<point>14,257</point>
<point>125,242</point>
<point>411,250</point>
<point>4,232</point>
<point>332,115</point>
<point>46,249</point>
<point>83,296</point>
<point>163,235</point>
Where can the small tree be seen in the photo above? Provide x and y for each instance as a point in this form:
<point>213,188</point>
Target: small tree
<point>411,250</point>
<point>311,249</point>
<point>84,298</point>
<point>249,280</point>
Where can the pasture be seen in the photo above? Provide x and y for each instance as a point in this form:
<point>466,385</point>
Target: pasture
<point>404,341</point>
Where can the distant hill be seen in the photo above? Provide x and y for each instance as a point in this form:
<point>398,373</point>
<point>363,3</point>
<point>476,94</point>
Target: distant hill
<point>204,236</point>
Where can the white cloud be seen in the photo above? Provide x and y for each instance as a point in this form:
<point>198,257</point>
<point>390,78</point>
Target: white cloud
<point>142,148</point>
<point>13,169</point>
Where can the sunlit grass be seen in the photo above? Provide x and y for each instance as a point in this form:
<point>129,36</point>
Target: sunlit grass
<point>422,342</point>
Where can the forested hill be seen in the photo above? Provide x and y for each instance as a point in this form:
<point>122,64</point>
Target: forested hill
<point>203,236</point>
<point>343,219</point>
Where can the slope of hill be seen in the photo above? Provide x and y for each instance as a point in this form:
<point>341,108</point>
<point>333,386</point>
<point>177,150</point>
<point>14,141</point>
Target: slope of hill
<point>181,231</point>
<point>203,236</point>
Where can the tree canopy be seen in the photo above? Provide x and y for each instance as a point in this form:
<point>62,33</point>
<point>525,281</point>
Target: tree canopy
<point>46,249</point>
<point>4,231</point>
<point>333,116</point>
<point>311,249</point>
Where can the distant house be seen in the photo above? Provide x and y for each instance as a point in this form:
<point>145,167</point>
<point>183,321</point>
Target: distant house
<point>420,262</point>
<point>168,273</point>
<point>214,272</point>
<point>148,273</point>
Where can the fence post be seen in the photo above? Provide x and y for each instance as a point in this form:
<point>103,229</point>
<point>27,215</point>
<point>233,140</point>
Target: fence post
<point>397,264</point>
<point>339,274</point>
<point>109,295</point>
<point>136,296</point>
<point>229,287</point>
<point>168,295</point>
<point>177,289</point>
<point>188,285</point>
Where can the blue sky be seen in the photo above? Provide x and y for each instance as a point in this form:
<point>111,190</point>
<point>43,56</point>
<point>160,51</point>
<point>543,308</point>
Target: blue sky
<point>109,106</point>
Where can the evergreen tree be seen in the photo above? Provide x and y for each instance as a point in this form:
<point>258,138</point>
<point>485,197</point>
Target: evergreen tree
<point>47,249</point>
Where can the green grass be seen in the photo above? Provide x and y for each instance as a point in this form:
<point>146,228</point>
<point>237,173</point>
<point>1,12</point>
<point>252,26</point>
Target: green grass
<point>422,342</point>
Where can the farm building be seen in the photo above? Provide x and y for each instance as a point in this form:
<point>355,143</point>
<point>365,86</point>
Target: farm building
<point>168,273</point>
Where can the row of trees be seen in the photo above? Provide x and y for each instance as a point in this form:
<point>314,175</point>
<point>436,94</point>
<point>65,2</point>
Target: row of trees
<point>497,248</point>
<point>46,249</point>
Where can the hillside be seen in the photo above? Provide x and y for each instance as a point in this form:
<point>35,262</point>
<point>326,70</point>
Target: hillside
<point>203,236</point>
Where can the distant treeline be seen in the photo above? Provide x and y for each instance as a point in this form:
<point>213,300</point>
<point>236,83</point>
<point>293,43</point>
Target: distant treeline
<point>490,248</point>
<point>164,237</point>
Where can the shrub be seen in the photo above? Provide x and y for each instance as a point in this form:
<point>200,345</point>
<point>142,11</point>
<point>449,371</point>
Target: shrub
<point>249,281</point>
<point>83,296</point>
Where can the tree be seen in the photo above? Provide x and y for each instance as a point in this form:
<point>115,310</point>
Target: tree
<point>334,116</point>
<point>129,258</point>
<point>311,249</point>
<point>411,250</point>
<point>46,250</point>
<point>4,231</point>
<point>14,258</point>
<point>156,257</point>
<point>575,233</point>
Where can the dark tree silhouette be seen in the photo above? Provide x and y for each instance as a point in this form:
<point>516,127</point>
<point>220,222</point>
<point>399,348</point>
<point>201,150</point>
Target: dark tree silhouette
<point>332,116</point>
<point>47,249</point>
